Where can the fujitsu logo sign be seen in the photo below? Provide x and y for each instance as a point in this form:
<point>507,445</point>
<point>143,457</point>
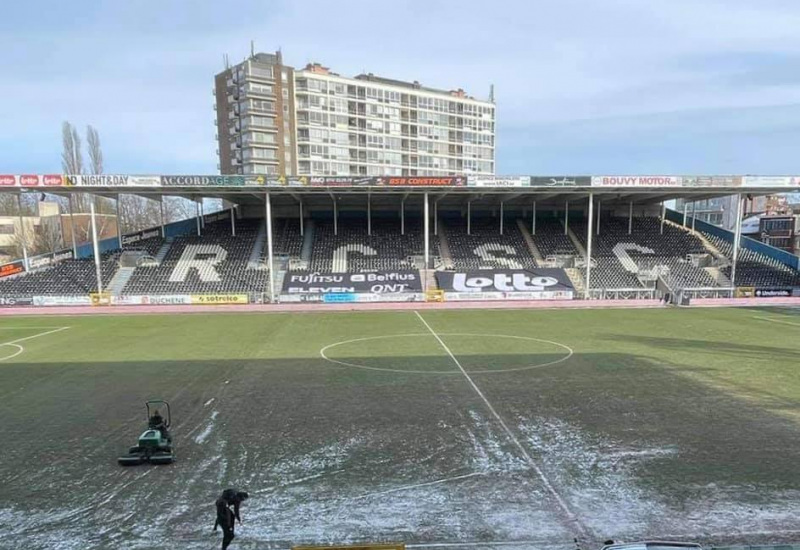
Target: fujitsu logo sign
<point>502,282</point>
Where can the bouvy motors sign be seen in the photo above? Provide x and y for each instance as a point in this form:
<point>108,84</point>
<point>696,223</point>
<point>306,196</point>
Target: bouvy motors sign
<point>538,280</point>
<point>636,181</point>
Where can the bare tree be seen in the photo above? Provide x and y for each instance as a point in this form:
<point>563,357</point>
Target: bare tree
<point>71,156</point>
<point>95,152</point>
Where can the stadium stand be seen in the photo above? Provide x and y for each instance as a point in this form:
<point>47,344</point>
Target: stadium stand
<point>214,262</point>
<point>622,260</point>
<point>486,248</point>
<point>70,277</point>
<point>551,240</point>
<point>755,269</point>
<point>353,250</point>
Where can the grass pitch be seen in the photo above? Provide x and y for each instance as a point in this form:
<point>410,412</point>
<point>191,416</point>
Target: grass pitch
<point>453,427</point>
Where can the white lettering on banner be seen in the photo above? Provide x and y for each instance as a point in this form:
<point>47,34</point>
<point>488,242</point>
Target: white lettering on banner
<point>502,282</point>
<point>170,299</point>
<point>203,258</point>
<point>497,181</point>
<point>637,181</point>
<point>61,300</point>
<point>767,181</point>
<point>483,252</point>
<point>103,180</point>
<point>136,237</point>
<point>621,252</point>
<point>340,255</point>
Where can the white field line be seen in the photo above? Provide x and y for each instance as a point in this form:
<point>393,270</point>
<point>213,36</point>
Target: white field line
<point>571,517</point>
<point>780,321</point>
<point>18,340</point>
<point>489,544</point>
<point>417,485</point>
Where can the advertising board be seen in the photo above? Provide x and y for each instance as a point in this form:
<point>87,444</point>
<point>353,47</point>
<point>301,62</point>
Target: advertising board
<point>498,181</point>
<point>383,282</point>
<point>636,181</point>
<point>207,299</point>
<point>531,281</point>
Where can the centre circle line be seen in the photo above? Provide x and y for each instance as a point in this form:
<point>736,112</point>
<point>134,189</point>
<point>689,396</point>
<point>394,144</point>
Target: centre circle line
<point>569,353</point>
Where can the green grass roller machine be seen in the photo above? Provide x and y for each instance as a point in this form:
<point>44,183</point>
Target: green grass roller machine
<point>155,443</point>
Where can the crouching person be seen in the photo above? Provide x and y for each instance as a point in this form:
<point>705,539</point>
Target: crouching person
<point>227,517</point>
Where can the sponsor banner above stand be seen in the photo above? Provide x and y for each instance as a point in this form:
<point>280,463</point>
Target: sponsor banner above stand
<point>111,180</point>
<point>133,238</point>
<point>219,299</point>
<point>12,268</point>
<point>529,281</point>
<point>711,181</point>
<point>202,181</point>
<point>342,181</point>
<point>382,282</point>
<point>217,216</point>
<point>498,181</point>
<point>636,181</point>
<point>45,260</point>
<point>561,181</point>
<point>771,181</point>
<point>48,180</point>
<point>421,181</point>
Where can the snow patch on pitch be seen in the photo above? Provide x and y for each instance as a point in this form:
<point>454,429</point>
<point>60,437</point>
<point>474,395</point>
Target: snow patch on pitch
<point>203,436</point>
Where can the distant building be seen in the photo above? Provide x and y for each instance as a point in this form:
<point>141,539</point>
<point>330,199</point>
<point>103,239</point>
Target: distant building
<point>275,119</point>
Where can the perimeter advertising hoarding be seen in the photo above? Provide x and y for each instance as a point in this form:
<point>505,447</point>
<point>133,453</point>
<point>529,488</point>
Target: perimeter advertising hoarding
<point>111,180</point>
<point>31,180</point>
<point>636,181</point>
<point>133,238</point>
<point>219,299</point>
<point>6,301</point>
<point>382,282</point>
<point>532,284</point>
<point>341,181</point>
<point>498,181</point>
<point>561,181</point>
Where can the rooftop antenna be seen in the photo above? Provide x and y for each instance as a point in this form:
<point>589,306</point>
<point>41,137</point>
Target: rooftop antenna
<point>491,93</point>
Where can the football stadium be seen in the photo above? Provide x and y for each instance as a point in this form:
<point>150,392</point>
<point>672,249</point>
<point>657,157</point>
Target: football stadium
<point>456,362</point>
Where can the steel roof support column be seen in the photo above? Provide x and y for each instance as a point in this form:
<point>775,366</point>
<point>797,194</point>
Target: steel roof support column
<point>589,248</point>
<point>630,218</point>
<point>202,214</point>
<point>119,222</point>
<point>598,213</point>
<point>663,215</point>
<point>436,217</point>
<point>694,213</point>
<point>335,216</point>
<point>685,211</point>
<point>427,235</point>
<point>268,215</point>
<point>163,230</point>
<point>302,220</point>
<point>403,216</point>
<point>469,217</point>
<point>566,218</point>
<point>502,215</point>
<point>737,237</point>
<point>197,215</point>
<point>533,219</point>
<point>72,228</point>
<point>96,249</point>
<point>22,232</point>
<point>369,214</point>
<point>233,221</point>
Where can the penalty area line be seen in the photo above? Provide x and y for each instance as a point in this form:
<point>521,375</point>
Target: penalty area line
<point>528,458</point>
<point>779,321</point>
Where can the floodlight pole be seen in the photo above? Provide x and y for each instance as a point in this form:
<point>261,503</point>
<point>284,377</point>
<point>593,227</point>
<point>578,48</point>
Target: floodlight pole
<point>737,237</point>
<point>268,211</point>
<point>589,248</point>
<point>72,228</point>
<point>96,249</point>
<point>22,232</point>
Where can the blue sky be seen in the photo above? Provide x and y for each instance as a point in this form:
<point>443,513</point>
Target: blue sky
<point>582,86</point>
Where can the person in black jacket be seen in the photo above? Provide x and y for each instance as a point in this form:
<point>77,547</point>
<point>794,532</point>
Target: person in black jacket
<point>226,518</point>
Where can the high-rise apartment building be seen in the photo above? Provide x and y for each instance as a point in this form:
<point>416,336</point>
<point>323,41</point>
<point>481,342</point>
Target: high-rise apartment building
<point>275,119</point>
